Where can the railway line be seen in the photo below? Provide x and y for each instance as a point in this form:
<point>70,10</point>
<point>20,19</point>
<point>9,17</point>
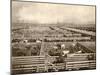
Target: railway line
<point>80,31</point>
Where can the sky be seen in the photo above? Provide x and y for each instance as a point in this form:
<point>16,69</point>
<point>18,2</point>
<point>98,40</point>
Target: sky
<point>32,12</point>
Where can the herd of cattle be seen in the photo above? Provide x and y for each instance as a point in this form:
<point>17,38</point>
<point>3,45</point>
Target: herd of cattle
<point>51,53</point>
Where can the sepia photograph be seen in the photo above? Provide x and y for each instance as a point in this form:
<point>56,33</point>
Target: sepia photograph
<point>52,37</point>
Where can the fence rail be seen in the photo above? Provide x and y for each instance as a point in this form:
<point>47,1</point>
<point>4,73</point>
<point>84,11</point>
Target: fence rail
<point>37,63</point>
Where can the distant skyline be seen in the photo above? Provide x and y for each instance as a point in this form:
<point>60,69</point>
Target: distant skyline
<point>47,13</point>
